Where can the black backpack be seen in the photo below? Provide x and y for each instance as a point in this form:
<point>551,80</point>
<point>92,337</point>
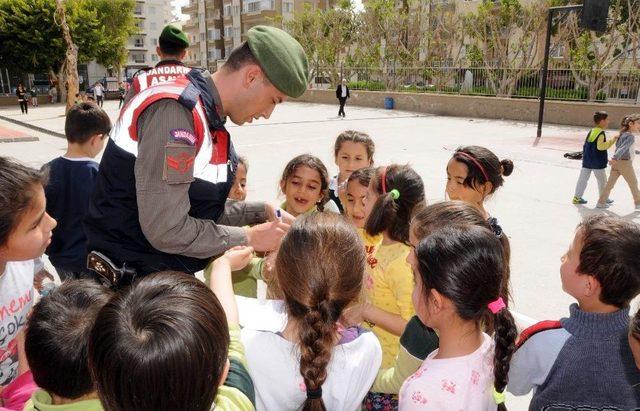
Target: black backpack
<point>575,155</point>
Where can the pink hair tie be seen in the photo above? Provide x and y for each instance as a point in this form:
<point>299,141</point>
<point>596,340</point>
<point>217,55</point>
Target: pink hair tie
<point>497,306</point>
<point>474,161</point>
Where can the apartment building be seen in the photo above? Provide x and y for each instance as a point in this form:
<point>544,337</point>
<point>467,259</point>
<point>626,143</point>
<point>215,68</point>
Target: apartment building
<point>204,30</point>
<point>215,27</point>
<point>151,17</point>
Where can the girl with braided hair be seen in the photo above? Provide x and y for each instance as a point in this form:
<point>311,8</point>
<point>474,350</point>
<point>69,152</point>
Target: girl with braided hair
<point>459,280</point>
<point>314,363</point>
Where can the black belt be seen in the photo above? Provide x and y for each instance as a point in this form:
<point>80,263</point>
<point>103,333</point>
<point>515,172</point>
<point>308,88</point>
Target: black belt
<point>114,275</point>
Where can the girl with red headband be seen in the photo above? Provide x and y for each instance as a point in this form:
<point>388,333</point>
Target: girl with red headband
<point>393,195</point>
<point>473,174</point>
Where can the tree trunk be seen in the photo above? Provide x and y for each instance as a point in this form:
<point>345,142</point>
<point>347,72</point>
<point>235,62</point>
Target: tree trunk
<point>71,57</point>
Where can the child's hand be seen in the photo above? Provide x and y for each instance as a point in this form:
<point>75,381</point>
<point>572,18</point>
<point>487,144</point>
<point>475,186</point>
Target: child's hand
<point>238,257</point>
<point>38,279</point>
<point>268,266</point>
<point>353,315</point>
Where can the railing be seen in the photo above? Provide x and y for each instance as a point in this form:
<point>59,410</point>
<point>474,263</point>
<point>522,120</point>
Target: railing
<point>563,83</point>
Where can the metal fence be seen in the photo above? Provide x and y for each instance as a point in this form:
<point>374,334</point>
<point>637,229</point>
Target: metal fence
<point>622,87</point>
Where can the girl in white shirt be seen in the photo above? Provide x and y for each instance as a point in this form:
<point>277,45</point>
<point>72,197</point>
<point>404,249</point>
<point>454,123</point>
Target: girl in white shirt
<point>315,363</point>
<point>25,232</point>
<point>459,271</point>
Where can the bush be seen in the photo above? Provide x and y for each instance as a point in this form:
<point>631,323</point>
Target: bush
<point>366,85</point>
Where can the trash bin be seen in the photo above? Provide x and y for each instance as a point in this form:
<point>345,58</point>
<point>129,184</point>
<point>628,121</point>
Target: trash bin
<point>388,103</point>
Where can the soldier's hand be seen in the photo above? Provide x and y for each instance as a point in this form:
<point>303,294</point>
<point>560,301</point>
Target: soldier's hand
<point>266,236</point>
<point>271,214</point>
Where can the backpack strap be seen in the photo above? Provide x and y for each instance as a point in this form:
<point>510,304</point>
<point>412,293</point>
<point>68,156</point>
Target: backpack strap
<point>535,329</point>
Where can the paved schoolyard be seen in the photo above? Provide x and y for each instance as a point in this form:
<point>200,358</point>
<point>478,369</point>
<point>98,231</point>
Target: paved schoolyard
<point>533,206</point>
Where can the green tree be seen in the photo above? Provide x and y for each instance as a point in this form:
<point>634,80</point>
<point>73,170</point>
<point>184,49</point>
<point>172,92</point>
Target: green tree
<point>31,38</point>
<point>327,36</point>
<point>508,36</point>
<point>118,25</point>
<point>596,59</point>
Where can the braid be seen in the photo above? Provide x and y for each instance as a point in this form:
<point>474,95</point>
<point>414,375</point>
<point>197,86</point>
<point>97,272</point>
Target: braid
<point>317,333</point>
<point>505,339</point>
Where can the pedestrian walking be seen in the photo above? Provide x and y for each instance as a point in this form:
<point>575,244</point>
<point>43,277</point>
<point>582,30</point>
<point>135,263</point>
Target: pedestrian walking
<point>342,94</point>
<point>21,92</point>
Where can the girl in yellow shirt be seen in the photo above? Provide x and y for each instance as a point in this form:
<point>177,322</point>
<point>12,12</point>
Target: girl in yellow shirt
<point>392,196</point>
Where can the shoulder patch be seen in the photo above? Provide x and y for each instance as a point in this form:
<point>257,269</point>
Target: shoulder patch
<point>183,135</point>
<point>535,329</point>
<point>178,164</point>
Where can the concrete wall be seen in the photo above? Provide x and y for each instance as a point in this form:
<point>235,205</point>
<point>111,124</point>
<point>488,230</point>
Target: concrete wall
<point>556,112</point>
<point>13,100</point>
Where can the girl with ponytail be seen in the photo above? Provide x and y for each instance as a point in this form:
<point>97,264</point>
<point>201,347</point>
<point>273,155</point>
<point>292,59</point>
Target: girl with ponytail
<point>473,174</point>
<point>315,364</point>
<point>394,193</point>
<point>459,280</point>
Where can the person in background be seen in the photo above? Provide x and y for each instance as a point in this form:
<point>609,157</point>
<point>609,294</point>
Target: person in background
<point>342,94</point>
<point>21,93</point>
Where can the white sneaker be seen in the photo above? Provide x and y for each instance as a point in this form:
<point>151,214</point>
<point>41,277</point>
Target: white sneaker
<point>605,205</point>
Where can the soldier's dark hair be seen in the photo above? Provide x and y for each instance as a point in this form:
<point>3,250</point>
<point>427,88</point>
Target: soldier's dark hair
<point>57,337</point>
<point>240,57</point>
<point>84,121</point>
<point>170,49</point>
<point>16,193</point>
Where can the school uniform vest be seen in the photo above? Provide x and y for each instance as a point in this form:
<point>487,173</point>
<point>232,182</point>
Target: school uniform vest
<point>163,72</point>
<point>112,224</point>
<point>593,158</point>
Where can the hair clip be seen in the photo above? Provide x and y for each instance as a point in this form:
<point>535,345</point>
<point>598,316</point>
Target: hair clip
<point>497,306</point>
<point>395,194</point>
<point>498,397</point>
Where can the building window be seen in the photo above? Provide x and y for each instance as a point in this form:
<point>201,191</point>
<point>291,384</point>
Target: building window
<point>153,25</point>
<point>215,54</point>
<point>152,10</point>
<point>154,41</point>
<point>213,34</point>
<point>227,51</point>
<point>227,10</point>
<point>154,57</point>
<point>250,6</point>
<point>138,10</point>
<point>140,24</point>
<point>138,58</point>
<point>287,7</point>
<point>228,31</point>
<point>236,10</point>
<point>138,42</point>
<point>557,51</point>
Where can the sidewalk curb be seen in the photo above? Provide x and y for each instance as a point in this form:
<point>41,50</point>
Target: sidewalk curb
<point>32,127</point>
<point>17,139</point>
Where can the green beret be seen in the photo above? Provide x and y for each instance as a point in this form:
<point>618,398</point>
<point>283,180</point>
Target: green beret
<point>281,57</point>
<point>171,35</point>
